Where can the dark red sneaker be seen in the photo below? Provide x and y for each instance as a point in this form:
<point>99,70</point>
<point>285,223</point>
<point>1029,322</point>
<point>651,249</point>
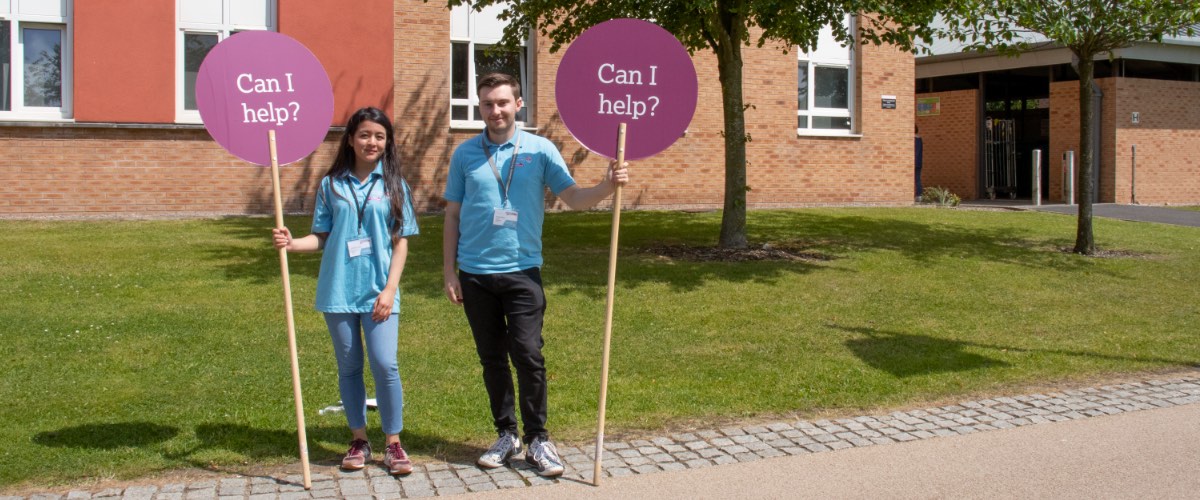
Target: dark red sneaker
<point>357,456</point>
<point>396,460</point>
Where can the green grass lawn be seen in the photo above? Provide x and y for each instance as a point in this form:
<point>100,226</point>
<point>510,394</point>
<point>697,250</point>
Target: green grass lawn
<point>135,347</point>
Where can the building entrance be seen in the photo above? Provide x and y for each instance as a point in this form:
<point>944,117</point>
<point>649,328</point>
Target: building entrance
<point>1016,122</point>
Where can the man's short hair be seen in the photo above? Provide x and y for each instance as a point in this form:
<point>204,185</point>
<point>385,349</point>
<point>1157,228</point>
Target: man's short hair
<point>493,80</point>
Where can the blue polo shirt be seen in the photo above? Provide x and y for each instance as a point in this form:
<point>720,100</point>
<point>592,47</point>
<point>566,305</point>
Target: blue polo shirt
<point>483,247</point>
<point>350,284</point>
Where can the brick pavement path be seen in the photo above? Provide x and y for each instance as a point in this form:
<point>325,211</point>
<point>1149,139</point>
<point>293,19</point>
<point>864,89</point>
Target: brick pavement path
<point>706,448</point>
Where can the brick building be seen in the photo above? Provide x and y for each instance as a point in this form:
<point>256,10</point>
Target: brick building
<point>1148,130</point>
<point>99,117</point>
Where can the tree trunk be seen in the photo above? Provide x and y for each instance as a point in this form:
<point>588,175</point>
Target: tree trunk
<point>1084,241</point>
<point>733,219</point>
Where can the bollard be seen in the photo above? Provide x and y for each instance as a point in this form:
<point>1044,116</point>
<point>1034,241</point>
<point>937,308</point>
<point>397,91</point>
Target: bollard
<point>1133,177</point>
<point>1069,177</point>
<point>1036,190</point>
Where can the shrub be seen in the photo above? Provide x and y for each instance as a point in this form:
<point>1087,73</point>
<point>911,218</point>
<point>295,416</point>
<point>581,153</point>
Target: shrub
<point>940,195</point>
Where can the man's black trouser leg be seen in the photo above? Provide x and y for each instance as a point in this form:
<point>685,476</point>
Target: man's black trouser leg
<point>505,312</point>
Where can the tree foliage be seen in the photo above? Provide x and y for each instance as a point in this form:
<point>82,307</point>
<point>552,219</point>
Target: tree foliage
<point>1087,28</point>
<point>725,27</point>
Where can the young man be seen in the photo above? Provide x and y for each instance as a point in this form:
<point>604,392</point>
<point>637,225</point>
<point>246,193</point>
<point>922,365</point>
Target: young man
<point>492,255</point>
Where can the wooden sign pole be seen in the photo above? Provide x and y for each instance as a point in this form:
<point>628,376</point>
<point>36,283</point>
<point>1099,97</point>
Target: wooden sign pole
<point>291,324</point>
<point>608,309</point>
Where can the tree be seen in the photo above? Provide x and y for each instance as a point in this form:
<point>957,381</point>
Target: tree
<point>724,27</point>
<point>1088,28</point>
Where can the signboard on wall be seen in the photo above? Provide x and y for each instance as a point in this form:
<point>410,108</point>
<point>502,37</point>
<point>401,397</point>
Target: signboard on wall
<point>929,106</point>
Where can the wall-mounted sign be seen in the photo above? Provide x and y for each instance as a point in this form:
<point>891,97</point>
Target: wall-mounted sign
<point>929,106</point>
<point>889,102</point>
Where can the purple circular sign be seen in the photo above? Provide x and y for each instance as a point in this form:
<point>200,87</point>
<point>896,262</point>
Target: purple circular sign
<point>626,71</point>
<point>257,81</point>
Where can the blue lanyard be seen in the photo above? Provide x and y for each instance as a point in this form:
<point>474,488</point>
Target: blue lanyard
<point>512,166</point>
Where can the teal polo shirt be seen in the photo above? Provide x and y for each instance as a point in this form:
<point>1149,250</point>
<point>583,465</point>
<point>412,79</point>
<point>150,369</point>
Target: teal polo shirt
<point>351,284</point>
<point>483,247</point>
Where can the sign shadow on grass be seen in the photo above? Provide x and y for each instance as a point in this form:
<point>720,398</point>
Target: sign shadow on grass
<point>107,436</point>
<point>906,355</point>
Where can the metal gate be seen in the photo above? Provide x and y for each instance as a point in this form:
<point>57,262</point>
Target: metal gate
<point>1000,158</point>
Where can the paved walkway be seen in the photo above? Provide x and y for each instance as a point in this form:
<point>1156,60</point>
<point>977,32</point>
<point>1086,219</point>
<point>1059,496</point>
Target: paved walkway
<point>1136,213</point>
<point>767,447</point>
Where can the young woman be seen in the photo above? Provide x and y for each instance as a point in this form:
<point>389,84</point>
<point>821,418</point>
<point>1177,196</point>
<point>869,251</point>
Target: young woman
<point>362,219</point>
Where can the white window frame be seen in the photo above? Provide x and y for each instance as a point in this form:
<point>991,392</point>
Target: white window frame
<point>222,30</point>
<point>823,57</point>
<point>19,19</point>
<point>477,29</point>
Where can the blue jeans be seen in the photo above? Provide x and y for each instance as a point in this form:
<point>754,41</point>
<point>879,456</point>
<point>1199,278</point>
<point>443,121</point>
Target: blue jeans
<point>382,341</point>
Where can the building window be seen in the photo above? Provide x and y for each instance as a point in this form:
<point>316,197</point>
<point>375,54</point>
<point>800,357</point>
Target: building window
<point>35,60</point>
<point>201,25</point>
<point>825,87</point>
<point>473,53</point>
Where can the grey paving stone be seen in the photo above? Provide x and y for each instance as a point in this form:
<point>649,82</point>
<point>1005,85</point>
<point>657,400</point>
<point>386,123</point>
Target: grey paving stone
<point>627,453</point>
<point>673,448</point>
<point>73,495</point>
<point>619,471</point>
<point>727,459</point>
<point>672,466</point>
<point>698,463</point>
<point>721,442</point>
<point>637,461</point>
<point>176,495</point>
<point>139,492</point>
<point>511,483</point>
<point>485,486</point>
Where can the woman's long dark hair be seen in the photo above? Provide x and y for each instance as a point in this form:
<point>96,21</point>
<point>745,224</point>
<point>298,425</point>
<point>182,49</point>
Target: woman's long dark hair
<point>393,177</point>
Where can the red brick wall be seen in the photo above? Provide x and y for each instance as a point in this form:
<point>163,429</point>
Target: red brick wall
<point>108,171</point>
<point>951,143</point>
<point>1175,130</point>
<point>1064,134</point>
<point>1167,138</point>
<point>168,170</point>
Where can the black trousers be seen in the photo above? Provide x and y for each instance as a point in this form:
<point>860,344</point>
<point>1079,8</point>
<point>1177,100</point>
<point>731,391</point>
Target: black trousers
<point>505,312</point>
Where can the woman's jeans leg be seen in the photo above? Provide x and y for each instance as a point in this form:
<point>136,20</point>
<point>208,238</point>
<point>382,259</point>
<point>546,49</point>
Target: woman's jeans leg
<point>381,343</point>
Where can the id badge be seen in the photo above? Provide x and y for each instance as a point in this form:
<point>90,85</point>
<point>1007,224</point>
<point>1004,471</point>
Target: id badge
<point>359,247</point>
<point>504,217</point>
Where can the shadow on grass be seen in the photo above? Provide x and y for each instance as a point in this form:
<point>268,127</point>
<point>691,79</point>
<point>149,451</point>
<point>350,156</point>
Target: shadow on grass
<point>258,261</point>
<point>576,247</point>
<point>906,355</point>
<point>253,443</point>
<point>107,436</point>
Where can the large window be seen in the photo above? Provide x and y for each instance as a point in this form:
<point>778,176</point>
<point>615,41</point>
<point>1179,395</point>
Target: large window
<point>825,88</point>
<point>201,25</point>
<point>35,59</point>
<point>473,53</point>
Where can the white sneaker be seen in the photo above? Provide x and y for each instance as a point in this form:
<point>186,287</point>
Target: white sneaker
<point>543,456</point>
<point>505,447</point>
